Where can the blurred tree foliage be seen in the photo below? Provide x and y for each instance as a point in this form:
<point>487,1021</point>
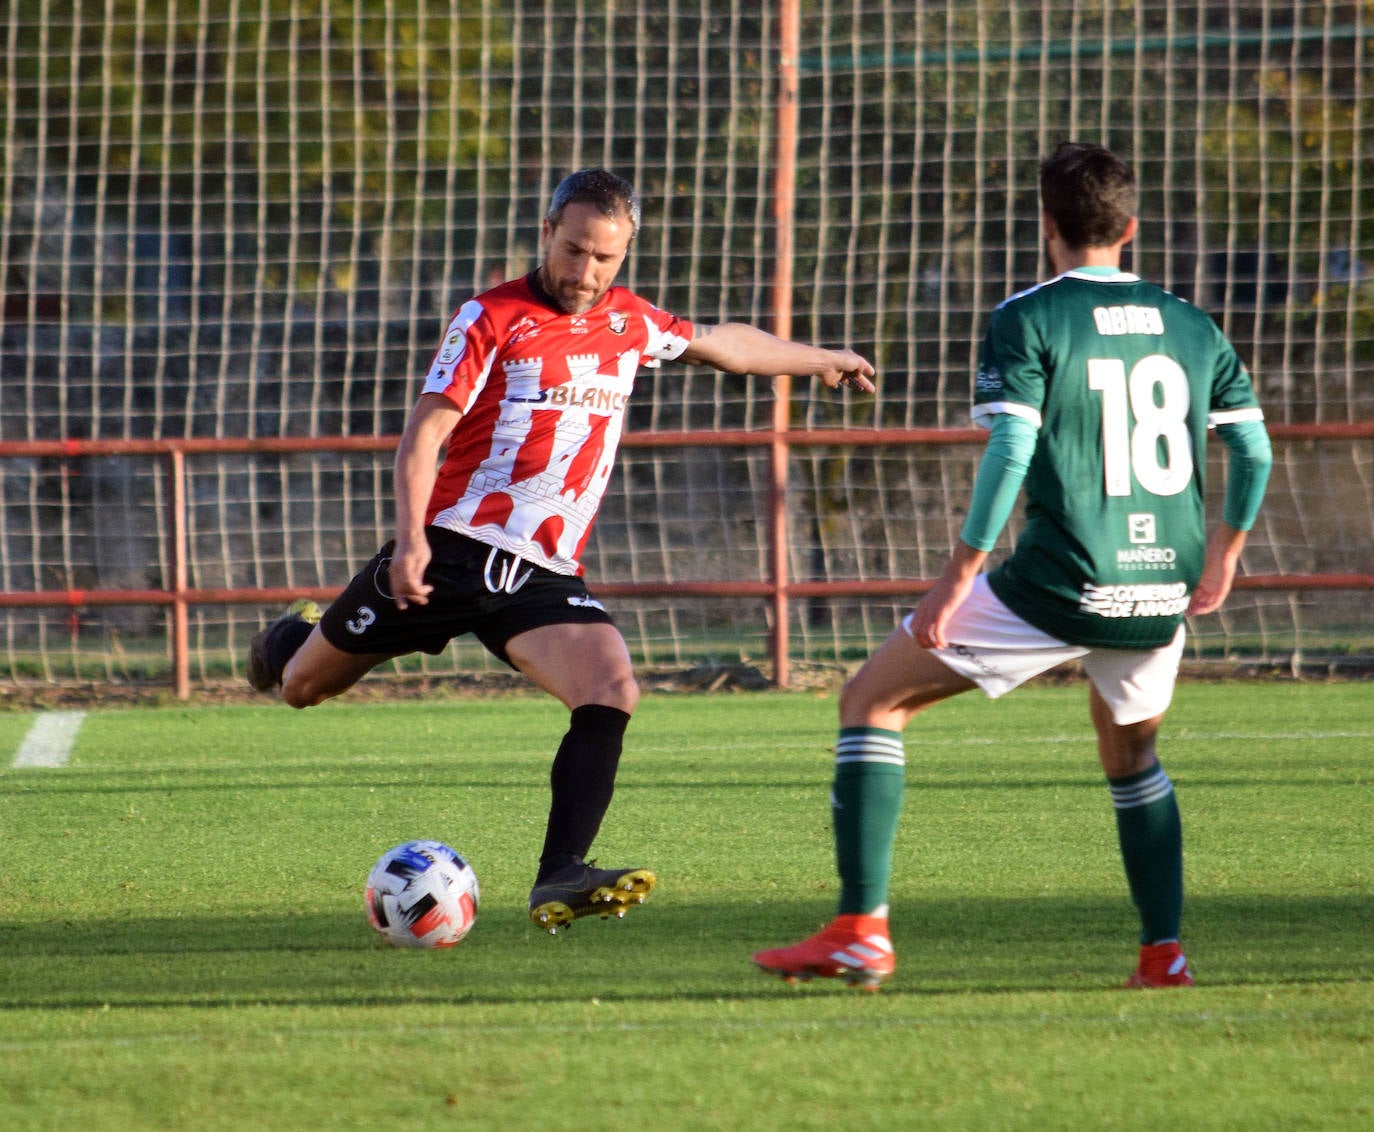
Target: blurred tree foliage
<point>216,164</point>
<point>332,121</point>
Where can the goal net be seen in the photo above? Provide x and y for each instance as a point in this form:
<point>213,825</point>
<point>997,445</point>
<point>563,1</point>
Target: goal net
<point>224,219</point>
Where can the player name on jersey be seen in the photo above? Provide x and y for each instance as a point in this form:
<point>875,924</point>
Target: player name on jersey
<point>1128,320</point>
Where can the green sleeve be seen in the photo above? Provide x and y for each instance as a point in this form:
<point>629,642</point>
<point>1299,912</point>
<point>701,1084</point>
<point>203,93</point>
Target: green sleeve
<point>1011,443</point>
<point>1247,475</point>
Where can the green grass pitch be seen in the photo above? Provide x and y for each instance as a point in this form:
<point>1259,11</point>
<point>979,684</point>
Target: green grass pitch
<point>183,946</point>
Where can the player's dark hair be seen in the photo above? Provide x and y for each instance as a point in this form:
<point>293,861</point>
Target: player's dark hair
<point>610,195</point>
<point>1089,193</point>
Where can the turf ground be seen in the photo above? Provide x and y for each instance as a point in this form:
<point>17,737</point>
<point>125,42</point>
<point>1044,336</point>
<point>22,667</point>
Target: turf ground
<point>182,943</point>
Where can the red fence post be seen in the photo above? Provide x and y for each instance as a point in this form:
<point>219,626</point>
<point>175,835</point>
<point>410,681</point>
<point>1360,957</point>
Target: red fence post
<point>181,635</point>
<point>784,206</point>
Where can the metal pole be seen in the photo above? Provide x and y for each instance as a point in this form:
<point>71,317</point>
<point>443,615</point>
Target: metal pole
<point>181,635</point>
<point>784,201</point>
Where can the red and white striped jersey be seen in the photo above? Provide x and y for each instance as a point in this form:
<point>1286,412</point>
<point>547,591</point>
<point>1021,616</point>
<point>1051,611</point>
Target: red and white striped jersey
<point>543,395</point>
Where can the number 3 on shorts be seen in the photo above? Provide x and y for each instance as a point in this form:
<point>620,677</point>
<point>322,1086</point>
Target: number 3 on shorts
<point>358,625</point>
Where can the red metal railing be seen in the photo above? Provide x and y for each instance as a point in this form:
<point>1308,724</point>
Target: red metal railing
<point>777,589</point>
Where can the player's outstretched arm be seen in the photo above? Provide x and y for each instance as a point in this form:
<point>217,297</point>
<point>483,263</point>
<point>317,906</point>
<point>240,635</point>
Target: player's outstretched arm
<point>736,347</point>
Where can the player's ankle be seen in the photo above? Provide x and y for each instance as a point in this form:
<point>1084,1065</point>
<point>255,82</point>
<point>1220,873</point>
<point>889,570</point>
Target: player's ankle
<point>870,923</point>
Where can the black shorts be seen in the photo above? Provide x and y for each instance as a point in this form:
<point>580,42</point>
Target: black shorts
<point>478,589</point>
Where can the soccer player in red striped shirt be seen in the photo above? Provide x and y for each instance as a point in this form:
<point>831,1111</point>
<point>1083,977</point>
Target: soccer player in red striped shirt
<point>525,400</point>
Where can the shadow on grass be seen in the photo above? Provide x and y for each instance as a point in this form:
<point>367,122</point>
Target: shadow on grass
<point>659,953</point>
<point>780,774</point>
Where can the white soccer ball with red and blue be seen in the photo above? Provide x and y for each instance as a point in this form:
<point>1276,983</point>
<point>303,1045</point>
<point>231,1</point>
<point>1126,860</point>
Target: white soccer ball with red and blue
<point>422,894</point>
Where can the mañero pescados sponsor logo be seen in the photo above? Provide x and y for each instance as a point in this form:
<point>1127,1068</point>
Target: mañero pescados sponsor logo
<point>1135,600</point>
<point>1147,558</point>
<point>1143,554</point>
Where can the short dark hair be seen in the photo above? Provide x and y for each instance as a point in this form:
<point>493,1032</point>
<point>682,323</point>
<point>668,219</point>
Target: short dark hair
<point>1089,193</point>
<point>610,195</point>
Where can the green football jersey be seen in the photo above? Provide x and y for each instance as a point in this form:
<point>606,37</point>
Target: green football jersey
<point>1122,379</point>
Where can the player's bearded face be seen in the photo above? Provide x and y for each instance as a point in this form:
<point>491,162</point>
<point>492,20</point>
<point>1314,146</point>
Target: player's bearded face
<point>582,256</point>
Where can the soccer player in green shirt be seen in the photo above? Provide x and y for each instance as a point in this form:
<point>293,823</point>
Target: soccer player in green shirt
<point>1097,390</point>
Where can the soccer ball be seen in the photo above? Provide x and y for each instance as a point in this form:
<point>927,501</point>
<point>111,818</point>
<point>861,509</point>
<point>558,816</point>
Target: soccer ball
<point>422,894</point>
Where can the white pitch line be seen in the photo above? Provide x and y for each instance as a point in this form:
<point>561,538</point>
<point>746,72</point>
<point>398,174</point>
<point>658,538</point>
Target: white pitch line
<point>50,740</point>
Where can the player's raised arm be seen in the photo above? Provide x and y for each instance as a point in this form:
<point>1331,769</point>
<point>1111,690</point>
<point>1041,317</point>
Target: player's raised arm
<point>736,347</point>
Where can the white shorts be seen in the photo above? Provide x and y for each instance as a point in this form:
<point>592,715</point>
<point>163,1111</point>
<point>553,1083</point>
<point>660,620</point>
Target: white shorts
<point>999,651</point>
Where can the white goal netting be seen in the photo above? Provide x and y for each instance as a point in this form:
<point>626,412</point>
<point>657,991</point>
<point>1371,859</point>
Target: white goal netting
<point>252,218</point>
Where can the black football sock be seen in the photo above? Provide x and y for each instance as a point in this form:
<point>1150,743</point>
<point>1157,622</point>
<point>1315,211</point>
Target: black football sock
<point>582,780</point>
<point>284,642</point>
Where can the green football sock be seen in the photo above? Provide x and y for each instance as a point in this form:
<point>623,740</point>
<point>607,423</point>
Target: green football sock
<point>1151,836</point>
<point>866,803</point>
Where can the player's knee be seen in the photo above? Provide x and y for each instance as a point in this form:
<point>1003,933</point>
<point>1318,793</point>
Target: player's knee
<point>302,690</point>
<point>616,687</point>
<point>298,694</point>
<point>854,699</point>
<point>621,691</point>
<point>1126,749</point>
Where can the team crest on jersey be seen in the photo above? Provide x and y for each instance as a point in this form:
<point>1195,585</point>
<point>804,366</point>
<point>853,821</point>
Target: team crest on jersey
<point>619,321</point>
<point>522,329</point>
